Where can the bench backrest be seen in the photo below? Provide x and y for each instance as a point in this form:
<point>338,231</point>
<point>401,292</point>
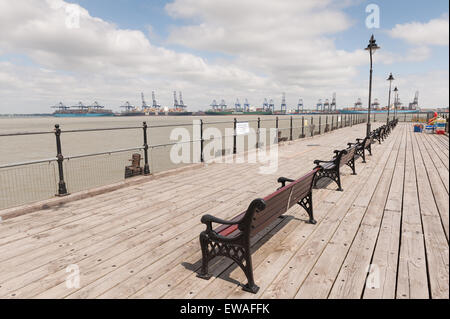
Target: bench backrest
<point>344,156</point>
<point>135,160</point>
<point>281,201</point>
<point>367,141</point>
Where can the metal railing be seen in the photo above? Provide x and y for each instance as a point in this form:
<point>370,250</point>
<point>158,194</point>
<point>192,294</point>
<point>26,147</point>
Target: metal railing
<point>25,182</point>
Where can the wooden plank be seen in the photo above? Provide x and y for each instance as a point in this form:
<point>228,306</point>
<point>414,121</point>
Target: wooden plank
<point>354,241</point>
<point>289,280</point>
<point>113,219</point>
<point>439,191</point>
<point>386,251</point>
<point>436,243</point>
<point>412,279</point>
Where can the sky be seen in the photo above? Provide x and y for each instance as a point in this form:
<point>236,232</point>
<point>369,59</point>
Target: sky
<point>111,51</point>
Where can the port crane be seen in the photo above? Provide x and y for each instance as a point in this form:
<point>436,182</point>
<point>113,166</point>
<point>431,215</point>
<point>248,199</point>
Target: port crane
<point>80,106</point>
<point>358,104</point>
<point>175,100</point>
<point>237,105</point>
<point>144,103</point>
<point>326,106</point>
<point>265,105</point>
<point>96,106</point>
<point>334,103</point>
<point>271,105</point>
<point>214,105</point>
<point>375,105</point>
<point>415,104</point>
<point>181,105</point>
<point>223,105</point>
<point>61,107</point>
<point>128,107</point>
<point>155,103</point>
<point>319,105</point>
<point>300,106</point>
<point>246,106</point>
<point>283,103</point>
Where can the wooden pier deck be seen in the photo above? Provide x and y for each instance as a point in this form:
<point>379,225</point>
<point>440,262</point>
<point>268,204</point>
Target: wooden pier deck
<point>142,241</point>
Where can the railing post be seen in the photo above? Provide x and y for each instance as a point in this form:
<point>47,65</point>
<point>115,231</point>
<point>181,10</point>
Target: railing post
<point>62,189</point>
<point>146,166</point>
<point>258,136</point>
<point>234,136</point>
<point>320,124</point>
<point>291,128</point>
<point>312,126</point>
<point>326,124</point>
<point>332,123</point>
<point>303,126</point>
<point>201,141</point>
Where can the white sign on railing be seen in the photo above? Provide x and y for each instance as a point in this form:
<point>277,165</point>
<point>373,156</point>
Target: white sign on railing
<point>242,128</point>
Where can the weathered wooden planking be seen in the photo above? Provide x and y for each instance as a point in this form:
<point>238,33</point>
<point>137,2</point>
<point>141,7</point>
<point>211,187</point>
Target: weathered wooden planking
<point>321,278</point>
<point>288,281</point>
<point>351,280</point>
<point>412,272</point>
<point>440,193</point>
<point>436,244</point>
<point>385,256</point>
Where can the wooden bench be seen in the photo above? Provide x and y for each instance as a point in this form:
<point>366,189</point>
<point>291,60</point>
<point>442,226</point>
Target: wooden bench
<point>280,138</point>
<point>135,168</point>
<point>331,169</point>
<point>379,134</point>
<point>232,238</point>
<point>361,146</point>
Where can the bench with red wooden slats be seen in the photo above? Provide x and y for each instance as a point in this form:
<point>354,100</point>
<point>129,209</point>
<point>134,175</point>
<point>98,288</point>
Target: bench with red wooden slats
<point>331,169</point>
<point>232,238</point>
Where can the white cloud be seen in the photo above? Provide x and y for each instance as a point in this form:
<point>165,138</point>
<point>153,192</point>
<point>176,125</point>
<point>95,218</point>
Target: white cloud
<point>415,54</point>
<point>434,32</point>
<point>288,41</point>
<point>270,47</point>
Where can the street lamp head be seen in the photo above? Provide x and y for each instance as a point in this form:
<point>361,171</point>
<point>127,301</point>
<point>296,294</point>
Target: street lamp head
<point>372,44</point>
<point>395,90</point>
<point>391,77</point>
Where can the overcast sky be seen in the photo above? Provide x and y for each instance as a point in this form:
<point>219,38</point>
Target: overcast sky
<point>111,51</point>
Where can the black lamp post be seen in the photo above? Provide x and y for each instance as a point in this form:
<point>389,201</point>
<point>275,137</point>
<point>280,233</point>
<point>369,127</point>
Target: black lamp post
<point>372,47</point>
<point>395,102</point>
<point>390,79</point>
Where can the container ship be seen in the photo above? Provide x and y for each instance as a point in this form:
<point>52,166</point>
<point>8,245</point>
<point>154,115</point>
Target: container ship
<point>81,110</point>
<point>397,106</point>
<point>179,108</point>
<point>221,109</point>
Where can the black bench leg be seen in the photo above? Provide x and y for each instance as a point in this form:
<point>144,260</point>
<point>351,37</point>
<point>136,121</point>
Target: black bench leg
<point>307,204</point>
<point>352,166</point>
<point>370,149</point>
<point>248,270</point>
<point>363,153</point>
<point>338,180</point>
<point>204,274</point>
<point>331,174</point>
